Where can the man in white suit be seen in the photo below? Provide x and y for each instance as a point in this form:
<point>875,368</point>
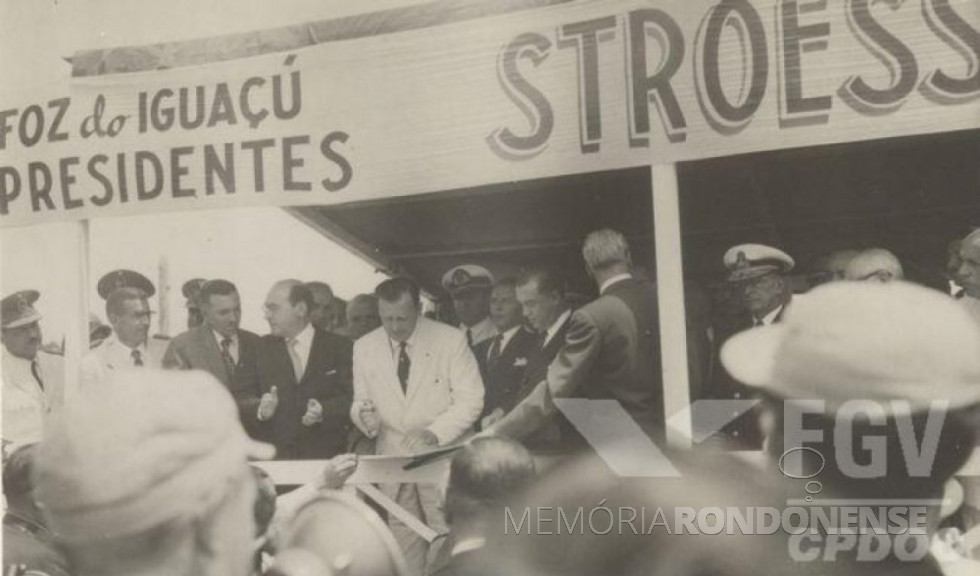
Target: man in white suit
<point>416,386</point>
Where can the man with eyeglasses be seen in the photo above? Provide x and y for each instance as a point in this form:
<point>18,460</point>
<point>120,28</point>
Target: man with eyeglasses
<point>130,347</point>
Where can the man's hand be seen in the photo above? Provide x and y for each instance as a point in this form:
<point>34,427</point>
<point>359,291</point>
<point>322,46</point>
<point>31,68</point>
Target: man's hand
<point>369,417</point>
<point>492,418</point>
<point>337,470</point>
<point>268,404</point>
<point>419,440</point>
<point>314,413</point>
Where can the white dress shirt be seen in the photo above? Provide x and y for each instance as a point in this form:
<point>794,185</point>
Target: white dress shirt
<point>482,330</point>
<point>303,344</point>
<point>25,404</point>
<point>504,339</point>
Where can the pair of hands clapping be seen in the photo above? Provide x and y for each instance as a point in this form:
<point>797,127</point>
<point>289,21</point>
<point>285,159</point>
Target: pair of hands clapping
<point>270,401</point>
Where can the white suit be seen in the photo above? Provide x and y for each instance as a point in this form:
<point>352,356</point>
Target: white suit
<point>444,395</point>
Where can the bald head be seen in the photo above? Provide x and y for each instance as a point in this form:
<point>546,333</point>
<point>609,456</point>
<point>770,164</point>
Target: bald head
<point>874,264</point>
<point>287,308</point>
<point>834,264</point>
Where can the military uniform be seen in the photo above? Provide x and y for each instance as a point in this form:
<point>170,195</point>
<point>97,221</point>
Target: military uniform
<point>746,263</point>
<point>471,277</point>
<point>112,356</point>
<point>32,388</point>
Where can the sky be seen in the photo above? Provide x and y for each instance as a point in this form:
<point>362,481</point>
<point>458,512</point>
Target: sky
<point>252,247</point>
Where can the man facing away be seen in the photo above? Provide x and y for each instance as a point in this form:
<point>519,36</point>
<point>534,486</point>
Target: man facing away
<point>416,386</point>
<point>221,347</point>
<point>305,376</point>
<point>611,349</point>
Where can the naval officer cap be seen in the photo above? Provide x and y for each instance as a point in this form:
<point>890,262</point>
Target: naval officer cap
<point>466,277</point>
<point>18,310</point>
<point>124,279</point>
<point>146,448</point>
<point>868,341</point>
<point>191,289</point>
<point>748,261</point>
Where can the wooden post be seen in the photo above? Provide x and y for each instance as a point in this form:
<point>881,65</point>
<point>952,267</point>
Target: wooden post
<point>670,297</point>
<point>76,329</point>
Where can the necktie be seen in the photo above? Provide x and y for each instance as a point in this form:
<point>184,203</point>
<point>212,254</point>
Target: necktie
<point>36,372</point>
<point>137,357</point>
<point>495,348</point>
<point>294,356</point>
<point>226,356</point>
<point>469,337</point>
<point>404,366</point>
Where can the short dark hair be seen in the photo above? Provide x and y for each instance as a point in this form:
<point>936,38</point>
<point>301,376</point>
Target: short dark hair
<point>546,279</point>
<point>17,470</point>
<point>317,285</point>
<point>392,290</point>
<point>216,287</point>
<point>301,293</point>
<point>115,300</point>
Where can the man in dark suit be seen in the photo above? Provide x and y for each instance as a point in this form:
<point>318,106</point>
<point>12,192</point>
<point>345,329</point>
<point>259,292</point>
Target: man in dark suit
<point>757,274</point>
<point>611,349</point>
<point>220,347</point>
<point>503,358</point>
<point>541,294</point>
<point>306,377</point>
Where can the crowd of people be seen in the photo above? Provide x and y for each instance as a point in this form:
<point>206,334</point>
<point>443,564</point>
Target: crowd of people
<point>146,469</point>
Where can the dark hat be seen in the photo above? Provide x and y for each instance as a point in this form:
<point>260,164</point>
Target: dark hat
<point>191,289</point>
<point>124,279</point>
<point>18,309</point>
<point>465,277</point>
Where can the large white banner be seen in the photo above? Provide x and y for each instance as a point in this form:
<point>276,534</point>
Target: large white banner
<point>566,89</point>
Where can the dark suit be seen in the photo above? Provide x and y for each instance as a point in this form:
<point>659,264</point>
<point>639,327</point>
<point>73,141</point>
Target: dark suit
<point>611,351</point>
<point>328,378</point>
<point>744,432</point>
<point>549,437</point>
<point>502,378</point>
<point>198,349</point>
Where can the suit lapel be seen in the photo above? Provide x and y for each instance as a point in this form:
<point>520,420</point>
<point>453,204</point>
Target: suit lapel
<point>389,367</point>
<point>419,362</point>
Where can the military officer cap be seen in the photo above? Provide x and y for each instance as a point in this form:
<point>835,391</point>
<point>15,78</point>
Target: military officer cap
<point>124,279</point>
<point>465,277</point>
<point>869,341</point>
<point>18,309</point>
<point>145,449</point>
<point>191,289</point>
<point>747,261</point>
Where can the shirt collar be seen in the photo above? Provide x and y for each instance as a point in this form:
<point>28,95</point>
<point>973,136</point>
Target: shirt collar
<point>305,336</point>
<point>556,325</point>
<point>219,337</point>
<point>506,336</point>
<point>771,316</point>
<point>618,277</point>
<point>115,341</point>
<point>482,327</point>
<point>410,341</point>
<point>468,545</point>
